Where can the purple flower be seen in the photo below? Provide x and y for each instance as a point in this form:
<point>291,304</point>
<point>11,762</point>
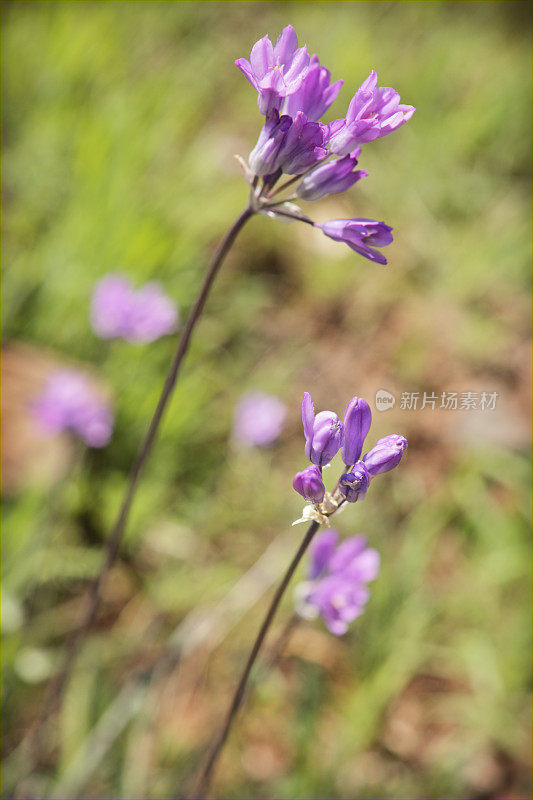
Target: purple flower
<point>309,484</point>
<point>373,112</point>
<point>339,601</point>
<point>338,574</point>
<point>320,552</point>
<point>353,485</point>
<point>360,234</point>
<point>386,454</point>
<point>323,433</point>
<point>141,316</point>
<point>288,145</point>
<point>315,94</point>
<point>258,419</point>
<point>357,421</point>
<point>275,72</point>
<point>331,178</point>
<point>69,402</point>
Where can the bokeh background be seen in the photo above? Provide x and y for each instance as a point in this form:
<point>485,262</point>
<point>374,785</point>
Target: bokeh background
<point>120,121</point>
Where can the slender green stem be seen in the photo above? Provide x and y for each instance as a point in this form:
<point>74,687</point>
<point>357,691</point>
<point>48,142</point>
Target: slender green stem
<point>207,770</point>
<point>56,690</point>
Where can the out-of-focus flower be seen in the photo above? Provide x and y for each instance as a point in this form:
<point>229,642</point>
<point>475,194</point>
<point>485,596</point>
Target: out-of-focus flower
<point>386,454</point>
<point>331,178</point>
<point>323,433</point>
<point>315,94</point>
<point>275,71</point>
<point>374,111</point>
<point>258,419</point>
<point>142,315</point>
<point>338,574</point>
<point>291,146</point>
<point>361,235</point>
<point>309,484</point>
<point>70,402</point>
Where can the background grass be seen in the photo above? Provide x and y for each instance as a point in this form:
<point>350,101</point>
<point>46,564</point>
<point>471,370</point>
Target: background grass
<point>120,121</point>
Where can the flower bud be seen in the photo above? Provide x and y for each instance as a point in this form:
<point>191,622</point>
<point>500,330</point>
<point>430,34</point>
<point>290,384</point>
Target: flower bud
<point>264,158</point>
<point>331,178</point>
<point>309,484</point>
<point>386,454</point>
<point>362,235</point>
<point>324,433</point>
<point>353,485</point>
<point>357,421</point>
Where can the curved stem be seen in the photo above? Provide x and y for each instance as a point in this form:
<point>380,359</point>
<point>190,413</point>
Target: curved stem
<point>292,216</point>
<point>206,773</point>
<point>142,457</point>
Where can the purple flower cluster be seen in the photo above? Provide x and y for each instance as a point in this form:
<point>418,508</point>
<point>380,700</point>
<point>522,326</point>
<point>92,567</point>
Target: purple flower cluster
<point>258,419</point>
<point>325,435</point>
<point>69,402</point>
<point>294,91</point>
<point>120,311</point>
<point>338,574</point>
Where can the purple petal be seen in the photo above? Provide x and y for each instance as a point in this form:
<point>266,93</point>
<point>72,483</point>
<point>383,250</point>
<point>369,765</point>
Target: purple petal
<point>262,56</point>
<point>285,46</point>
<point>320,552</point>
<point>308,415</point>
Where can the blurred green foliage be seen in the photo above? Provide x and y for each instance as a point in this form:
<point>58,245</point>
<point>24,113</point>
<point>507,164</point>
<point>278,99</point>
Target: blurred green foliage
<point>120,121</point>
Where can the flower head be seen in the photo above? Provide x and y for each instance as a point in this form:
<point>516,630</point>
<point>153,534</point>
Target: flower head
<point>309,484</point>
<point>323,433</point>
<point>141,316</point>
<point>386,454</point>
<point>69,402</point>
<point>338,576</point>
<point>374,111</point>
<point>258,419</point>
<point>275,71</point>
<point>362,235</point>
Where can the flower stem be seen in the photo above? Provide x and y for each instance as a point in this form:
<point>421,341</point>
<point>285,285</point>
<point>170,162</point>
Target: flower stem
<point>292,216</point>
<point>115,537</point>
<point>207,770</point>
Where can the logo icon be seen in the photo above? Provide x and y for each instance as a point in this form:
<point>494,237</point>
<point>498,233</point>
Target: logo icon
<point>384,400</point>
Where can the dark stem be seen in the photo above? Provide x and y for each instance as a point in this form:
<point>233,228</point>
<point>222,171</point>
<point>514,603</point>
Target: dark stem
<point>142,457</point>
<point>206,773</point>
<point>291,216</point>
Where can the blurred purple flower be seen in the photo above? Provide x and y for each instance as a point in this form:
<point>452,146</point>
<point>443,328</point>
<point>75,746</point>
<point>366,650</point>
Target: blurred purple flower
<point>141,316</point>
<point>360,234</point>
<point>258,419</point>
<point>338,576</point>
<point>70,402</point>
<point>374,111</point>
<point>275,71</point>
